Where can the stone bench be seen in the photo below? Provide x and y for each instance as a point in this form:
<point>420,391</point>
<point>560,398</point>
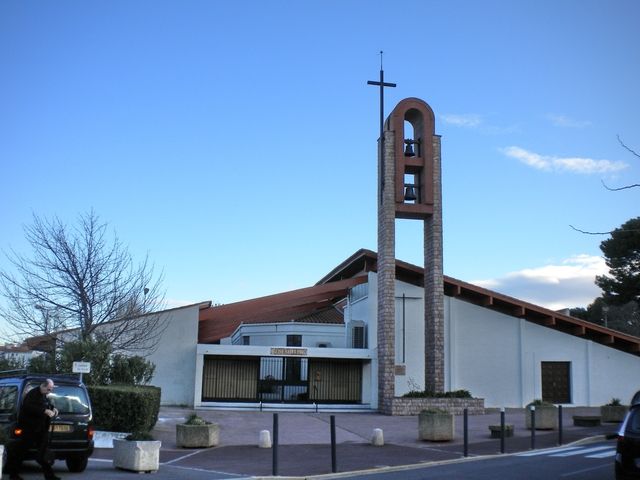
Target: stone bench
<point>497,429</point>
<point>586,420</point>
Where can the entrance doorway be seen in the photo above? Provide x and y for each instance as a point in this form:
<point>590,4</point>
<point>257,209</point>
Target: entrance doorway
<point>281,379</point>
<point>556,382</point>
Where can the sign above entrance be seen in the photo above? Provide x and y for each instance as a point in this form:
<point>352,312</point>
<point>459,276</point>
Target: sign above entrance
<point>301,352</point>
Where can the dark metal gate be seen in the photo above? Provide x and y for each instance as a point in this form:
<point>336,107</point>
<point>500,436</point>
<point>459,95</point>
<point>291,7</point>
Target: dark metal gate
<point>281,380</point>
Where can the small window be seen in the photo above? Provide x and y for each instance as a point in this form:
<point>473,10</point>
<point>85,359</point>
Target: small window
<point>359,339</point>
<point>294,340</point>
<point>246,340</point>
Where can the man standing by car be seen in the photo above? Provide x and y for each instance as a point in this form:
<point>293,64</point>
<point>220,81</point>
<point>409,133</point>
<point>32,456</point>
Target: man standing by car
<point>34,420</point>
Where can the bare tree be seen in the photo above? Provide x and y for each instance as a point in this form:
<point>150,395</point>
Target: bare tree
<point>79,284</point>
<point>632,185</point>
<point>617,189</point>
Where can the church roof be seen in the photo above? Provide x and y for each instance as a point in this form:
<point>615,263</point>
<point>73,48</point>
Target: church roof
<point>366,260</point>
<point>317,304</point>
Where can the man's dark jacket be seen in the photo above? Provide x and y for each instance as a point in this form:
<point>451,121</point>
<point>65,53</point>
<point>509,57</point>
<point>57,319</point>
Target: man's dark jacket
<point>32,418</point>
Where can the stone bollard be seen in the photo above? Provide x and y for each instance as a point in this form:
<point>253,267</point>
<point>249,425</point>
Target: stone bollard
<point>264,439</point>
<point>378,438</point>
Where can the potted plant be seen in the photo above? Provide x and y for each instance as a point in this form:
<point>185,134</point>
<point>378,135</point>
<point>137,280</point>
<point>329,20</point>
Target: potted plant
<point>196,432</point>
<point>435,425</point>
<point>546,415</point>
<point>138,452</point>
<point>613,411</point>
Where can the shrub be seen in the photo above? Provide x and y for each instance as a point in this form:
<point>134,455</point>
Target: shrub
<point>194,419</point>
<point>45,363</point>
<point>615,402</point>
<point>437,411</point>
<point>95,351</point>
<point>125,408</point>
<point>427,394</point>
<point>131,370</point>
<point>539,403</point>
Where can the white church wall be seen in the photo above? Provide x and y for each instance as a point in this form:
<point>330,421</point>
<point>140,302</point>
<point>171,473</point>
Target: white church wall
<point>175,357</point>
<point>275,334</point>
<point>362,312</point>
<point>620,371</point>
<point>409,341</point>
<point>482,353</point>
<point>498,357</point>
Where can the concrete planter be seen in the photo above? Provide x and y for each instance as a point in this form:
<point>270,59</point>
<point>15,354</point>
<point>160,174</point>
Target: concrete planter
<point>197,436</point>
<point>613,413</point>
<point>546,418</point>
<point>496,430</point>
<point>137,456</point>
<point>435,427</point>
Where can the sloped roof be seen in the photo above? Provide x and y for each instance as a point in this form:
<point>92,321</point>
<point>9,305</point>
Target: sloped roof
<point>315,304</point>
<point>366,260</point>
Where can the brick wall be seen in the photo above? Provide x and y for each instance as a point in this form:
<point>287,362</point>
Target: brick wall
<point>386,278</point>
<point>434,284</point>
<point>413,406</point>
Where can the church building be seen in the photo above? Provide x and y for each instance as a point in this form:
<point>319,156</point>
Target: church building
<point>375,328</point>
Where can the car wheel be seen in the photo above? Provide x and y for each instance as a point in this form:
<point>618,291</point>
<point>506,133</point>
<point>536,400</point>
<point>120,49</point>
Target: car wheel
<point>77,464</point>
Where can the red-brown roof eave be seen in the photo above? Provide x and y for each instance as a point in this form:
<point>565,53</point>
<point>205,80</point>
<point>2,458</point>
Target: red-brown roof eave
<point>221,321</point>
<point>366,260</point>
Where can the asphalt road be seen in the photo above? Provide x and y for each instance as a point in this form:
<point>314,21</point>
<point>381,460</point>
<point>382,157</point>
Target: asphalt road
<point>586,462</point>
<point>592,461</point>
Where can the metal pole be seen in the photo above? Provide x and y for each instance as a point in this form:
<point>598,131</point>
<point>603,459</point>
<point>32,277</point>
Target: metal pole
<point>334,463</point>
<point>533,427</point>
<point>465,429</point>
<point>404,323</point>
<point>274,467</point>
<point>502,430</point>
<point>559,424</point>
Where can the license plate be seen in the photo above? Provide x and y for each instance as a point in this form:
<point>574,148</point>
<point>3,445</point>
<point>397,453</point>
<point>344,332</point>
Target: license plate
<point>61,428</point>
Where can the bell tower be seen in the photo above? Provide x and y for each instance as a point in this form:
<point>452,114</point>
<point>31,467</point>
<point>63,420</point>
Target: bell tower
<point>410,187</point>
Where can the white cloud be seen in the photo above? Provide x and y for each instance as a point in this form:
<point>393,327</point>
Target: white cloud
<point>469,120</point>
<point>569,164</point>
<point>476,122</point>
<point>566,122</point>
<point>567,284</point>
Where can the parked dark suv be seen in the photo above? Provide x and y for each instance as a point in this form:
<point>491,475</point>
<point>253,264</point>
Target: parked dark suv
<point>628,447</point>
<point>71,434</point>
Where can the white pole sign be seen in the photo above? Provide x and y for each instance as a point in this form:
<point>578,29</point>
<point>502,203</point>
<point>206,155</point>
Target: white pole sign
<point>81,367</point>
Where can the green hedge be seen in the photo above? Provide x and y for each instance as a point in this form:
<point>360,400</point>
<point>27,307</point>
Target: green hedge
<point>125,408</point>
<point>426,394</point>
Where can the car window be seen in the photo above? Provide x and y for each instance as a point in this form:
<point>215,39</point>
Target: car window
<point>633,425</point>
<point>67,398</point>
<point>8,396</point>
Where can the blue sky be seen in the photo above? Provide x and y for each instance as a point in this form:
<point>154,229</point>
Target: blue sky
<point>235,142</point>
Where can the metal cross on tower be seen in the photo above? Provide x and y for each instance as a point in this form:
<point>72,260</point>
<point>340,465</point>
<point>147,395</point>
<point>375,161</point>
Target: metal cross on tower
<point>381,84</point>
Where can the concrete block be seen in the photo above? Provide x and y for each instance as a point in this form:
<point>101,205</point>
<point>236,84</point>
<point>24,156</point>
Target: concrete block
<point>264,440</point>
<point>137,456</point>
<point>378,438</point>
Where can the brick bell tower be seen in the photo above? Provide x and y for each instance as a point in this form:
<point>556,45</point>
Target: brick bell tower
<point>410,187</point>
